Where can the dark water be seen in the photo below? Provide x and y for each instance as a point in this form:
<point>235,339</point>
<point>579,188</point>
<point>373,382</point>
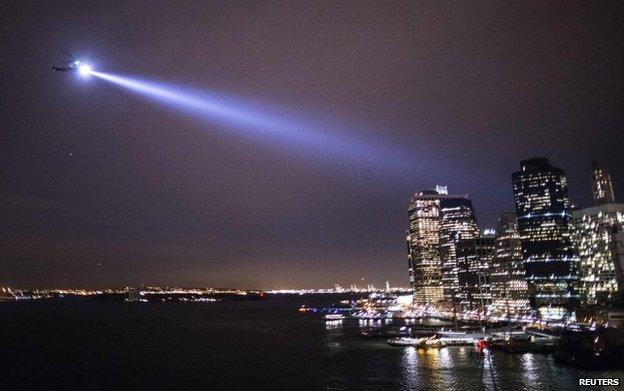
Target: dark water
<point>239,345</point>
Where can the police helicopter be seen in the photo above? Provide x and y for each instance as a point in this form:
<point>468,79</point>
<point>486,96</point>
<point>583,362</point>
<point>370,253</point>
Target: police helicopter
<point>74,65</point>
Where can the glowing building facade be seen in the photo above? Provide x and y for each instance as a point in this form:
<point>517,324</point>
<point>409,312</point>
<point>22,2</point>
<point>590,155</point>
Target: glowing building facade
<point>508,278</point>
<point>594,238</point>
<point>457,222</point>
<point>617,252</point>
<point>545,228</point>
<point>437,221</point>
<point>423,247</point>
<point>601,185</point>
<point>596,235</point>
<point>474,257</point>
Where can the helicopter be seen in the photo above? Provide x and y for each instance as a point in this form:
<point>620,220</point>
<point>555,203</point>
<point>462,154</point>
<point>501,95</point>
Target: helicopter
<point>74,65</point>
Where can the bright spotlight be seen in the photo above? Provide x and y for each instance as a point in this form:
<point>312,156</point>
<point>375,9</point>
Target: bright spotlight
<point>84,69</point>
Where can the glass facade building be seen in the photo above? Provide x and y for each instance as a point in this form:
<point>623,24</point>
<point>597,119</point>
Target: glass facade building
<point>457,222</point>
<point>474,258</point>
<point>602,187</point>
<point>545,226</point>
<point>438,220</point>
<point>508,278</point>
<point>594,234</point>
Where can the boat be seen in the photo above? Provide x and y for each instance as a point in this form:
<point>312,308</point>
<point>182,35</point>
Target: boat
<point>482,344</point>
<point>458,338</point>
<point>405,341</point>
<point>378,333</point>
<point>431,342</point>
<point>435,343</point>
<point>516,344</point>
<point>543,345</point>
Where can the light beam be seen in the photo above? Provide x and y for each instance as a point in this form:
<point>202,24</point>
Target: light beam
<point>251,122</point>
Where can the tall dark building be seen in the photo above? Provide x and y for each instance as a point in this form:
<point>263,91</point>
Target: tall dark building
<point>545,228</point>
<point>457,222</point>
<point>474,257</point>
<point>437,221</point>
<point>601,185</point>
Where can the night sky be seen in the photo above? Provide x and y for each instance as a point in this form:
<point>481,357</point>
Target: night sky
<point>101,187</point>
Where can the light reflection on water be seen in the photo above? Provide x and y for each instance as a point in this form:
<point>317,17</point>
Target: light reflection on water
<point>409,364</point>
<point>428,369</point>
<point>530,376</point>
<point>445,368</point>
<point>489,375</point>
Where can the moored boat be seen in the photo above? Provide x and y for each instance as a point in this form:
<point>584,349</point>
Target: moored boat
<point>405,341</point>
<point>457,338</point>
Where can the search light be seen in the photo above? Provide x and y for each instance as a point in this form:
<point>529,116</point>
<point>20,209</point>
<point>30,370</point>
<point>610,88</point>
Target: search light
<point>84,70</point>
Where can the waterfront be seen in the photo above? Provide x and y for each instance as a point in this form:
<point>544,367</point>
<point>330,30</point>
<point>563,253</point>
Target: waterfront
<point>84,344</point>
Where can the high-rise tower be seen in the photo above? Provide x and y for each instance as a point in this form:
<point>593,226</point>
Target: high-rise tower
<point>457,222</point>
<point>474,258</point>
<point>509,285</point>
<point>545,228</point>
<point>602,186</point>
<point>437,221</point>
<point>596,229</point>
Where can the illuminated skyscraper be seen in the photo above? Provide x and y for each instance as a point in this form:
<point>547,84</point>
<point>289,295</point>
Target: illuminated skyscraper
<point>474,258</point>
<point>545,227</point>
<point>594,238</point>
<point>602,186</point>
<point>617,252</point>
<point>508,279</point>
<point>596,232</point>
<point>437,221</point>
<point>423,247</point>
<point>457,222</point>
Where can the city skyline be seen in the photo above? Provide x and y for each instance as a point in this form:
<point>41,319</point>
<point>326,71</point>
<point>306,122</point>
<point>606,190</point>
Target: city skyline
<point>101,188</point>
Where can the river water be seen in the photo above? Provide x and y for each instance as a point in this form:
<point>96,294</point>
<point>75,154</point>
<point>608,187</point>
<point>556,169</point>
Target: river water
<point>265,344</point>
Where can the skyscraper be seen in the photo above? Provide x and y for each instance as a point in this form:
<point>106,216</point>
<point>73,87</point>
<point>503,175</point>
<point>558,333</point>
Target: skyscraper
<point>617,252</point>
<point>596,228</point>
<point>457,222</point>
<point>545,228</point>
<point>508,279</point>
<point>601,185</point>
<point>594,237</point>
<point>437,221</point>
<point>474,257</point>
